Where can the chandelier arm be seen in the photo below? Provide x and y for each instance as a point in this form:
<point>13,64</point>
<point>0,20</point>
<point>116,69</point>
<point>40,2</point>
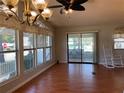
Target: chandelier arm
<point>35,19</point>
<point>8,16</point>
<point>28,20</point>
<point>16,16</point>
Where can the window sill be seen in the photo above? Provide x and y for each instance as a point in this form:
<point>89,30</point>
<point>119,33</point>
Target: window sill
<point>8,81</point>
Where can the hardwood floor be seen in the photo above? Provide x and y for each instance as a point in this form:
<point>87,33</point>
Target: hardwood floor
<point>76,78</point>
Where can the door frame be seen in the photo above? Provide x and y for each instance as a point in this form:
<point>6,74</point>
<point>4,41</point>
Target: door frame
<point>95,58</point>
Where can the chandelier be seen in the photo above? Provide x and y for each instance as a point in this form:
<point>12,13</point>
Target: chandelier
<point>29,16</point>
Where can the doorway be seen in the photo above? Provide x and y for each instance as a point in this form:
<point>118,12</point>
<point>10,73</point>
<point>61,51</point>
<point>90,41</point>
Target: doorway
<point>81,47</point>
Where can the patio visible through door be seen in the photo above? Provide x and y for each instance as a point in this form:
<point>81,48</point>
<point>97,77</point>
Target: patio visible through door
<point>81,47</point>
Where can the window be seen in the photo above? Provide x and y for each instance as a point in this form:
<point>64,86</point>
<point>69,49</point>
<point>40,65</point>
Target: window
<point>40,49</point>
<point>48,54</point>
<point>48,48</point>
<point>39,56</point>
<point>48,41</point>
<point>28,59</point>
<point>28,43</point>
<point>8,51</point>
<point>119,41</point>
<point>28,40</point>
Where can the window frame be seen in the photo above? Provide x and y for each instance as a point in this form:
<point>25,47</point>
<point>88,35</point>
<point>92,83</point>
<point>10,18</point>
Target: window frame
<point>16,51</point>
<point>114,42</point>
<point>37,64</point>
<point>42,47</point>
<point>30,49</point>
<point>49,46</point>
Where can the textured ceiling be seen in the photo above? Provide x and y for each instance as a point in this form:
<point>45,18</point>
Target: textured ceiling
<point>98,12</point>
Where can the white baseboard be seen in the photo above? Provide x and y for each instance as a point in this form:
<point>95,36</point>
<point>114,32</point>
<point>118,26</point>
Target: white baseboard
<point>18,86</point>
<point>63,62</point>
<point>101,63</point>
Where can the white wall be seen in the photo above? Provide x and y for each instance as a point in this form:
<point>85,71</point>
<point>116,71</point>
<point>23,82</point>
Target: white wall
<point>104,37</point>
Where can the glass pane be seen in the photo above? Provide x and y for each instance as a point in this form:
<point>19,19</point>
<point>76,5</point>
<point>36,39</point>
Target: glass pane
<point>74,45</point>
<point>48,54</point>
<point>28,40</point>
<point>28,59</point>
<point>48,41</point>
<point>39,56</point>
<point>40,41</point>
<point>119,43</point>
<point>7,39</point>
<point>7,66</point>
<point>88,47</point>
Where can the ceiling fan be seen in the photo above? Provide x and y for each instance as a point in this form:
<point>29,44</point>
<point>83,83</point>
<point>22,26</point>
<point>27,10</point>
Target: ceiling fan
<point>70,5</point>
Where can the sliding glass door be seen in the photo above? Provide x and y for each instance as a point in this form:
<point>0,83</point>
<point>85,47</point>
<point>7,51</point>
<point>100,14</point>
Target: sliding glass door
<point>82,47</point>
<point>74,47</point>
<point>88,47</point>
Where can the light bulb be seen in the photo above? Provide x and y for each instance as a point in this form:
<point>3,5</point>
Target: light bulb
<point>70,10</point>
<point>39,4</point>
<point>66,12</point>
<point>11,3</point>
<point>33,13</point>
<point>39,1</point>
<point>47,13</point>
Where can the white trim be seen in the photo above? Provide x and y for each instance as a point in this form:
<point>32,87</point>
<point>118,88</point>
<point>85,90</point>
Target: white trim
<point>101,63</point>
<point>9,80</point>
<point>82,32</point>
<point>21,84</point>
<point>63,61</point>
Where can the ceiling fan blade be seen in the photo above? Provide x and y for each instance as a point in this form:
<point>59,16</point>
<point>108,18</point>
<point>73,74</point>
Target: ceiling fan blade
<point>63,2</point>
<point>69,1</point>
<point>79,1</point>
<point>55,6</point>
<point>77,7</point>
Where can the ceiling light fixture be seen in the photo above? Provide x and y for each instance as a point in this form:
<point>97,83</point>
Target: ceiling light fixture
<point>29,16</point>
<point>64,11</point>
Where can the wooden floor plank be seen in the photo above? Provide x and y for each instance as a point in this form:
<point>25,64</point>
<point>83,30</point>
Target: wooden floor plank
<point>76,78</point>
